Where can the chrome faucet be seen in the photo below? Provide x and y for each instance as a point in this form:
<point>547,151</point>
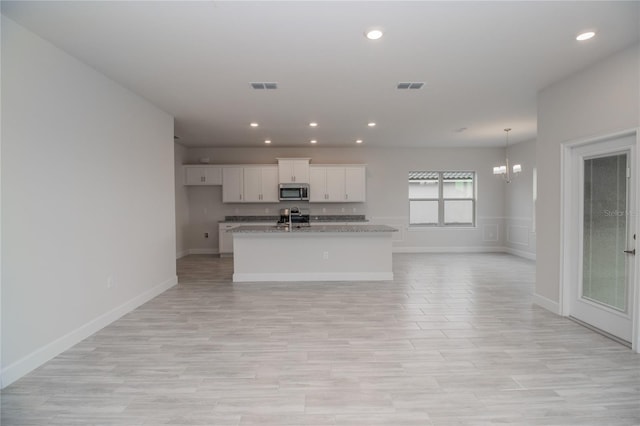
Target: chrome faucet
<point>296,208</point>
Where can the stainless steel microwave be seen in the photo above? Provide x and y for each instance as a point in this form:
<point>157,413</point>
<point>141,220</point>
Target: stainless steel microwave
<point>293,191</point>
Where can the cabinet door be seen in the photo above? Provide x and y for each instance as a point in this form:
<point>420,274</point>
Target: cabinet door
<point>252,184</point>
<point>355,184</point>
<point>317,185</point>
<point>335,184</point>
<point>293,171</point>
<point>300,170</point>
<point>225,239</point>
<point>269,184</point>
<point>204,175</point>
<point>285,171</point>
<point>213,175</point>
<point>232,185</point>
<point>195,176</point>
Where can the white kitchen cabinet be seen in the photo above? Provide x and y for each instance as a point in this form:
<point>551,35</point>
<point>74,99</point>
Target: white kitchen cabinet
<point>225,239</point>
<point>317,184</point>
<point>337,184</point>
<point>232,185</point>
<point>202,175</point>
<point>260,184</point>
<point>334,188</point>
<point>355,188</point>
<point>293,170</point>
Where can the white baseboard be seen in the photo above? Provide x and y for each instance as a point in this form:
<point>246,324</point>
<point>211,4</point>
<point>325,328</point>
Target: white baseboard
<point>203,251</point>
<point>314,276</point>
<point>547,304</point>
<point>449,249</point>
<point>520,253</point>
<point>25,365</point>
<point>181,254</point>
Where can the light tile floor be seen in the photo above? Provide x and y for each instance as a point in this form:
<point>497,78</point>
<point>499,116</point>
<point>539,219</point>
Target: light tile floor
<point>453,340</point>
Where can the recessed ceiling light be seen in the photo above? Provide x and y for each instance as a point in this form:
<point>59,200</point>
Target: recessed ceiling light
<point>267,141</point>
<point>313,141</point>
<point>313,124</point>
<point>585,36</point>
<point>253,124</point>
<point>373,34</point>
<point>359,141</point>
<point>371,124</point>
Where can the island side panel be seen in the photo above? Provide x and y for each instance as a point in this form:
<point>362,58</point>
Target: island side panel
<point>357,256</point>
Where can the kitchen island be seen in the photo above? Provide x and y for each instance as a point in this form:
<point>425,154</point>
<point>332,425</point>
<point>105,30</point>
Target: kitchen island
<point>315,253</point>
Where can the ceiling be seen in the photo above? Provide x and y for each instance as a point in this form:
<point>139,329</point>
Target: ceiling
<point>482,64</point>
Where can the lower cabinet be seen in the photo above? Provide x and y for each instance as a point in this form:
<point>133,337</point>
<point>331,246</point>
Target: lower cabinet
<point>225,239</point>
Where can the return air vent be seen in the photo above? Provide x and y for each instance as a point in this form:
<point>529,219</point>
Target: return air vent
<point>264,86</point>
<point>409,85</point>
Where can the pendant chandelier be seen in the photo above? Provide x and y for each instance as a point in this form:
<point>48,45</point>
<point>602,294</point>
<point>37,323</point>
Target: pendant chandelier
<point>504,170</point>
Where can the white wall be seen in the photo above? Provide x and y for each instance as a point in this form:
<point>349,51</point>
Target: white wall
<point>182,202</point>
<point>87,201</point>
<point>387,193</point>
<point>597,101</point>
<point>520,236</point>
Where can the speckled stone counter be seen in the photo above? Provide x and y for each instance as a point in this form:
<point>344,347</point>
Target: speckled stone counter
<point>312,253</point>
<point>313,218</point>
<point>259,229</point>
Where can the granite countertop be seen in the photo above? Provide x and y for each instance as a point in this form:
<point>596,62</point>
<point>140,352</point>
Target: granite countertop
<point>313,218</point>
<point>256,229</point>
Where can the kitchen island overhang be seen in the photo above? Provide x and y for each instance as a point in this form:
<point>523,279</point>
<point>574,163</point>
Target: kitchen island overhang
<point>316,253</point>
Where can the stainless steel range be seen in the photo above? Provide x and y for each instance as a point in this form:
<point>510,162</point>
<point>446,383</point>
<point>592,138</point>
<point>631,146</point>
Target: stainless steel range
<point>294,217</point>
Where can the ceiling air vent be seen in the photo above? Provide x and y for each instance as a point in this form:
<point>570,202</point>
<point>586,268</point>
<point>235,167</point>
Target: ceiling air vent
<point>409,85</point>
<point>264,86</point>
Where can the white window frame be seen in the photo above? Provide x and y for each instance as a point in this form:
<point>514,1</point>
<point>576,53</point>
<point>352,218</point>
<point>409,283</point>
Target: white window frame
<point>441,202</point>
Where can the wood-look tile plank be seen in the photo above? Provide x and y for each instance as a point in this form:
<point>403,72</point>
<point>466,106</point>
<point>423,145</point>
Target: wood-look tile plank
<point>453,340</point>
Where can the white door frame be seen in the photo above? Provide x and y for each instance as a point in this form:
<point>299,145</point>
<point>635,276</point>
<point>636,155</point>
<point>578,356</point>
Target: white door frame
<point>567,232</point>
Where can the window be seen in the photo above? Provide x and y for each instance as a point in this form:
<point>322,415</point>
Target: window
<point>442,198</point>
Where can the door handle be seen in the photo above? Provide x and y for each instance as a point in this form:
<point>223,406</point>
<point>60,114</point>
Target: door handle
<point>633,252</point>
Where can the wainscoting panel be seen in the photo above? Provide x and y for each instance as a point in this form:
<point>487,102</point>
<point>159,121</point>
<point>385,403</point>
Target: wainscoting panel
<point>518,234</point>
<point>490,232</point>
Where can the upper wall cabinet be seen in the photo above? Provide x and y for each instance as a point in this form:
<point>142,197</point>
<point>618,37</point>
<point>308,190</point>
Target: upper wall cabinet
<point>355,184</point>
<point>293,170</point>
<point>260,184</point>
<point>337,184</point>
<point>202,175</point>
<point>233,185</point>
<point>250,184</point>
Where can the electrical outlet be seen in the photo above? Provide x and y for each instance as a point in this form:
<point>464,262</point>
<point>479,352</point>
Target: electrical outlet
<point>206,235</point>
<point>325,255</point>
<point>109,282</point>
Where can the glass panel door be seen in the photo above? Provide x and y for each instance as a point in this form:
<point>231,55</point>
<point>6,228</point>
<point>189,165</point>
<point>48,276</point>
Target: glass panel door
<point>600,227</point>
<point>604,263</point>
